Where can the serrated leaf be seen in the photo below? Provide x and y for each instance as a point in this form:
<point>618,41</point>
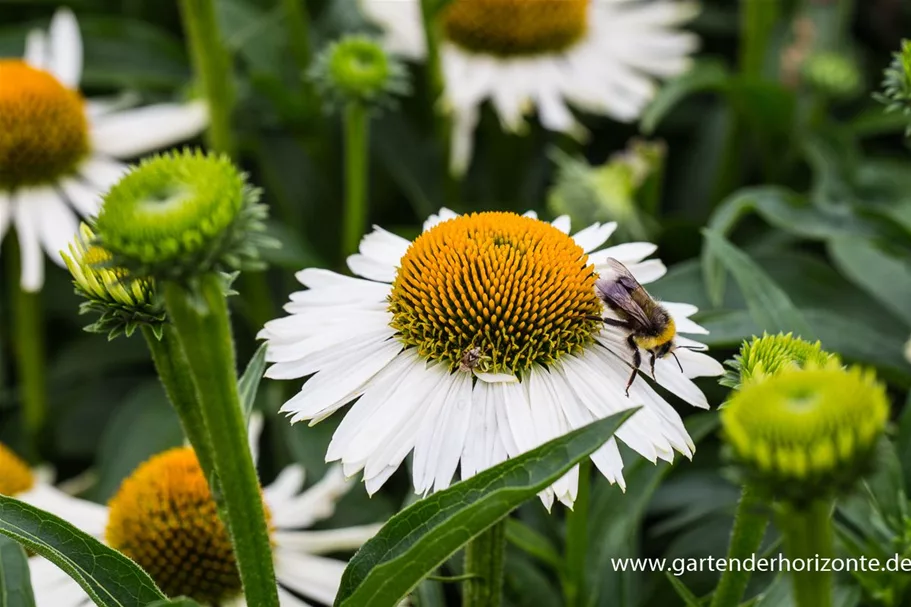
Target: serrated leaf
<point>249,381</point>
<point>15,579</point>
<point>768,304</point>
<point>417,540</point>
<point>107,576</point>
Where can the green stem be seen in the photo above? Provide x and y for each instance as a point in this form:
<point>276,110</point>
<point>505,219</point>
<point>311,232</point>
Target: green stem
<point>356,173</point>
<point>757,20</point>
<point>202,323</point>
<point>174,371</point>
<point>297,20</point>
<point>484,556</point>
<point>750,523</point>
<point>29,350</point>
<point>808,535</point>
<point>577,540</point>
<point>436,85</point>
<point>212,64</point>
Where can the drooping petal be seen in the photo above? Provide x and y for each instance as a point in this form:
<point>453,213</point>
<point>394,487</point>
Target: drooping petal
<point>130,133</point>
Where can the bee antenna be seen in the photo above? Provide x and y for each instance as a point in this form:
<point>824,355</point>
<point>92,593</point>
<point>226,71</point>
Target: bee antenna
<point>678,361</point>
<point>692,348</point>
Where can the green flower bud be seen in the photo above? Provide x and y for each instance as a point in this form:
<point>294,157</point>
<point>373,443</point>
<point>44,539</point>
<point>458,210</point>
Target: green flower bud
<point>609,192</point>
<point>122,303</point>
<point>834,74</point>
<point>179,215</point>
<point>357,69</point>
<point>770,354</point>
<point>806,434</point>
<point>897,84</point>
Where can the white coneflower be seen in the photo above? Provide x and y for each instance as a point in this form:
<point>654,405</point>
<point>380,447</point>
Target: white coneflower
<point>164,518</point>
<point>57,149</point>
<point>601,56</point>
<point>476,343</point>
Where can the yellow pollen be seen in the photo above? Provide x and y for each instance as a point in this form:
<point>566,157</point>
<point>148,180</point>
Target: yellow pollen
<point>15,475</point>
<point>164,518</point>
<point>515,27</point>
<point>513,290</point>
<point>43,127</point>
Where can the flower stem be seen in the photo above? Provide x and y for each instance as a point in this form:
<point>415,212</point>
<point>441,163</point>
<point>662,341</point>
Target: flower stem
<point>577,540</point>
<point>174,372</point>
<point>436,85</point>
<point>757,20</point>
<point>202,324</point>
<point>484,557</point>
<point>808,535</point>
<point>28,340</point>
<point>357,136</point>
<point>750,523</point>
<point>212,64</point>
<point>298,24</point>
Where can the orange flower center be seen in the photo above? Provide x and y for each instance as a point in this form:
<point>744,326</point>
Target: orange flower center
<point>43,127</point>
<point>515,27</point>
<point>164,518</point>
<point>495,289</point>
<point>15,475</point>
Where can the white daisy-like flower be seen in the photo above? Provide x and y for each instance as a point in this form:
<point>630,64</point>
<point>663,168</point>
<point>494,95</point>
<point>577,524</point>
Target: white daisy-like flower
<point>476,343</point>
<point>195,558</point>
<point>58,150</point>
<point>600,56</point>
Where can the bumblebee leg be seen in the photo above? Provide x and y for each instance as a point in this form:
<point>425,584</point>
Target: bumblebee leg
<point>609,321</point>
<point>637,360</point>
<point>652,364</point>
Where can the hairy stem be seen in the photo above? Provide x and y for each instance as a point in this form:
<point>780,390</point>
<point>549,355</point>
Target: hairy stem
<point>750,523</point>
<point>484,557</point>
<point>357,137</point>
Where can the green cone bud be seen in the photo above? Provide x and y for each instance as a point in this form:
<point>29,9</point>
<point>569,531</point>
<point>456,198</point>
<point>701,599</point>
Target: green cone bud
<point>357,69</point>
<point>122,303</point>
<point>770,354</point>
<point>180,215</point>
<point>806,434</point>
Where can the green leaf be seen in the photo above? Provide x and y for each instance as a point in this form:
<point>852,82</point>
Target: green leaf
<point>249,381</point>
<point>903,443</point>
<point>884,277</point>
<point>689,599</point>
<point>705,76</point>
<point>615,519</point>
<point>533,543</point>
<point>417,540</point>
<point>768,304</point>
<point>15,579</point>
<point>107,576</point>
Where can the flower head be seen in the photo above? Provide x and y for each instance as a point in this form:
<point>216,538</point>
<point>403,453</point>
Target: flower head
<point>897,84</point>
<point>57,148</point>
<point>122,302</point>
<point>770,354</point>
<point>178,215</point>
<point>475,343</point>
<point>543,55</point>
<point>357,69</point>
<point>807,433</point>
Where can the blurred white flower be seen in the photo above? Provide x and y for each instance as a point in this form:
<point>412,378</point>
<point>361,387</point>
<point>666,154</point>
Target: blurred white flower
<point>908,350</point>
<point>473,344</point>
<point>57,149</point>
<point>600,56</point>
<point>170,489</point>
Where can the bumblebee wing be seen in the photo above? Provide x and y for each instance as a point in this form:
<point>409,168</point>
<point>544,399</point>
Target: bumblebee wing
<point>623,293</point>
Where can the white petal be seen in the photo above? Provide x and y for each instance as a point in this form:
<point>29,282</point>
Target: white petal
<point>594,236</point>
<point>322,542</point>
<point>384,246</point>
<point>464,123</point>
<point>102,172</point>
<point>286,485</point>
<point>85,199</point>
<point>53,587</point>
<point>696,364</point>
<point>497,378</point>
<point>6,213</point>
<point>56,223</point>
<point>443,215</point>
<point>315,504</point>
<point>130,133</point>
<point>627,253</point>
<point>403,21</point>
<point>36,51</point>
<point>315,577</point>
<point>669,376</point>
<point>647,271</point>
<point>26,218</point>
<point>371,268</point>
<point>562,223</point>
<point>88,516</point>
<point>65,48</point>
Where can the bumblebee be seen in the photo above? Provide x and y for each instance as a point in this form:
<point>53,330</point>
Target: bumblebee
<point>650,325</point>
